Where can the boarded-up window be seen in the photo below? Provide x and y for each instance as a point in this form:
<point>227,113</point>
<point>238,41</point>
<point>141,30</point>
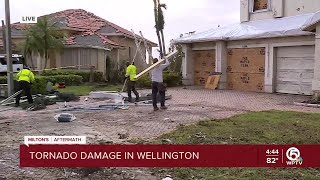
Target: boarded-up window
<point>260,5</point>
<point>80,56</point>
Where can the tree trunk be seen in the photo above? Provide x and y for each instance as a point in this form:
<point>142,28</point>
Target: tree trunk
<point>46,59</point>
<point>30,55</point>
<point>160,44</point>
<point>163,43</point>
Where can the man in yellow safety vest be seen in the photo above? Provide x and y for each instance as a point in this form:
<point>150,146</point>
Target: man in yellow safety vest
<point>131,73</point>
<point>25,78</point>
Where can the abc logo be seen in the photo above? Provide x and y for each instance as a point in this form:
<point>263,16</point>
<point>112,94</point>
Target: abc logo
<point>293,154</point>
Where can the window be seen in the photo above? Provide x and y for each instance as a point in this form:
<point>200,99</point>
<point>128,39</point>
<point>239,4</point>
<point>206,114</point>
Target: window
<point>15,60</point>
<point>260,5</point>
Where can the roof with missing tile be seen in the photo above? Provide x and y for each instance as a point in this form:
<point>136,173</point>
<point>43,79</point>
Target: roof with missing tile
<point>87,27</point>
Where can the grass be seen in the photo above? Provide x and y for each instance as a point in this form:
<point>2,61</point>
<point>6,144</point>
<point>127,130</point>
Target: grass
<point>86,89</point>
<point>251,128</point>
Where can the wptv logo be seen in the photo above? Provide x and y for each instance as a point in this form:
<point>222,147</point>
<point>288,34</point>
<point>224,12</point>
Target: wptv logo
<point>294,157</point>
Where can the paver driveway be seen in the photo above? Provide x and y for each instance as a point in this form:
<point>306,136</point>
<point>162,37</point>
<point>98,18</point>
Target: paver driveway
<point>186,107</point>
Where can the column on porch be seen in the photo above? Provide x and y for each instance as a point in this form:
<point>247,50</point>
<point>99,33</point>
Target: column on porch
<point>316,78</point>
<point>221,63</point>
<point>187,65</point>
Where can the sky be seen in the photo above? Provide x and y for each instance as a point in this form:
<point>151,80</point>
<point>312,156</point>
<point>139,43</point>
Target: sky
<point>181,16</point>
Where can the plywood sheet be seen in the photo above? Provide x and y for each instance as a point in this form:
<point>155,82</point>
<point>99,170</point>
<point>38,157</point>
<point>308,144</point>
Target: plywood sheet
<point>245,82</point>
<point>156,64</point>
<point>260,5</point>
<point>204,64</point>
<point>246,60</point>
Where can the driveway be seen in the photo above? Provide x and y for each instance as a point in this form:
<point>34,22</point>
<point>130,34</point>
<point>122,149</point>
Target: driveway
<point>187,106</point>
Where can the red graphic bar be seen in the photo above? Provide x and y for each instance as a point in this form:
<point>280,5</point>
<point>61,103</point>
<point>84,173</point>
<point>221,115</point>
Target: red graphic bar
<point>170,156</point>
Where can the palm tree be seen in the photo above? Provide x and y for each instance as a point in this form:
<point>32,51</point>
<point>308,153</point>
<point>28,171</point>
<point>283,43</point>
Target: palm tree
<point>161,23</point>
<point>156,18</point>
<point>42,37</point>
<point>27,47</point>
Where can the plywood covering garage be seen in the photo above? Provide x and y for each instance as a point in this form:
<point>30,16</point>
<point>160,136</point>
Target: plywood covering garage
<point>295,68</point>
<point>204,64</point>
<point>245,71</point>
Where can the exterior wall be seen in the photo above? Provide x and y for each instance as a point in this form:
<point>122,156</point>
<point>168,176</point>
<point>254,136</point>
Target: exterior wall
<point>102,54</point>
<point>270,45</point>
<point>221,56</point>
<point>128,52</point>
<point>221,63</point>
<point>187,65</point>
<point>297,7</point>
<point>316,78</point>
<point>278,8</point>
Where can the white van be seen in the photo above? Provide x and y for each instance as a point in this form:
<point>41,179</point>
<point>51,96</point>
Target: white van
<point>17,63</point>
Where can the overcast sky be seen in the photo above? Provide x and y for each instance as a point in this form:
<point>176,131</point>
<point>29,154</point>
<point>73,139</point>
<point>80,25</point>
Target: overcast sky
<point>182,16</point>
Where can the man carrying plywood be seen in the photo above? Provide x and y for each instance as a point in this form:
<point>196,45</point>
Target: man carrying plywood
<point>157,84</point>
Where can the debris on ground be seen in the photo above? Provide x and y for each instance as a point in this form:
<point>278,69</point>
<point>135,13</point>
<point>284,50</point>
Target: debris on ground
<point>65,117</point>
<point>123,136</point>
<point>167,178</point>
<point>67,97</point>
<point>166,141</point>
<point>103,95</point>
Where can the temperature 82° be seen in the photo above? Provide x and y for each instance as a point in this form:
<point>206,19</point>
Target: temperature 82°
<point>272,160</point>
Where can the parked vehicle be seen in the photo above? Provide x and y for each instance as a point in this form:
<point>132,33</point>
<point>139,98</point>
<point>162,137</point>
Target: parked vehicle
<point>17,63</point>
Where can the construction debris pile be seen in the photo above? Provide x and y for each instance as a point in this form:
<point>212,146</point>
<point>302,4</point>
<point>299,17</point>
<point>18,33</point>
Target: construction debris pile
<point>40,101</point>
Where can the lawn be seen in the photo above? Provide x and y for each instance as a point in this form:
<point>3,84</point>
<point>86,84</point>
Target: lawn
<point>251,128</point>
<point>86,89</point>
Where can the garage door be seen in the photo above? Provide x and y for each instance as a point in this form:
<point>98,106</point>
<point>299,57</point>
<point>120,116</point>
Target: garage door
<point>245,71</point>
<point>204,64</point>
<point>295,69</point>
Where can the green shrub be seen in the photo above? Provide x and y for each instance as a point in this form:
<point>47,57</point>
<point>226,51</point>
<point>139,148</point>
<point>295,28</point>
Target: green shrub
<point>40,83</point>
<point>98,76</point>
<point>144,82</point>
<point>39,86</point>
<point>3,80</point>
<point>69,80</point>
<point>171,78</point>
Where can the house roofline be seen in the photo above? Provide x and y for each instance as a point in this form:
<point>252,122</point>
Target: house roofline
<point>93,47</point>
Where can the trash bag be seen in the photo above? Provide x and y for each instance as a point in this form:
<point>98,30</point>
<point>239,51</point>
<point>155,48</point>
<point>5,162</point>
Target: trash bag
<point>64,117</point>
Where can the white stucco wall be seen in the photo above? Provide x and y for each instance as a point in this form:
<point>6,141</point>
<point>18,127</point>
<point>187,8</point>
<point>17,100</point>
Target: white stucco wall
<point>296,7</point>
<point>278,8</point>
<point>316,79</point>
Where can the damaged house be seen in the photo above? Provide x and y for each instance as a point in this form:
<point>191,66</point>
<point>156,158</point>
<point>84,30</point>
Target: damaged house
<point>90,40</point>
<point>275,48</point>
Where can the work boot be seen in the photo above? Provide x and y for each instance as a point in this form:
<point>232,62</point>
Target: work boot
<point>156,109</point>
<point>164,107</point>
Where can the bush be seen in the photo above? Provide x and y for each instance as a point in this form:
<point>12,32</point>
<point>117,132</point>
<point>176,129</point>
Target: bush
<point>98,76</point>
<point>171,78</point>
<point>144,82</point>
<point>39,86</point>
<point>69,80</point>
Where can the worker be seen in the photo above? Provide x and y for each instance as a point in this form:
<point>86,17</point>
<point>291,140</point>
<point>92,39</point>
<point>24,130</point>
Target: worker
<point>131,73</point>
<point>157,84</point>
<point>25,78</point>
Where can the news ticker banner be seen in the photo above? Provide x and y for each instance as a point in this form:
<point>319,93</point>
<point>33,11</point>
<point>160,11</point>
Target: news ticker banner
<point>85,155</point>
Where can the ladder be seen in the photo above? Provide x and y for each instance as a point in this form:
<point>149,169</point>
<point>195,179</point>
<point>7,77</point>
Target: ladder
<point>137,42</point>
